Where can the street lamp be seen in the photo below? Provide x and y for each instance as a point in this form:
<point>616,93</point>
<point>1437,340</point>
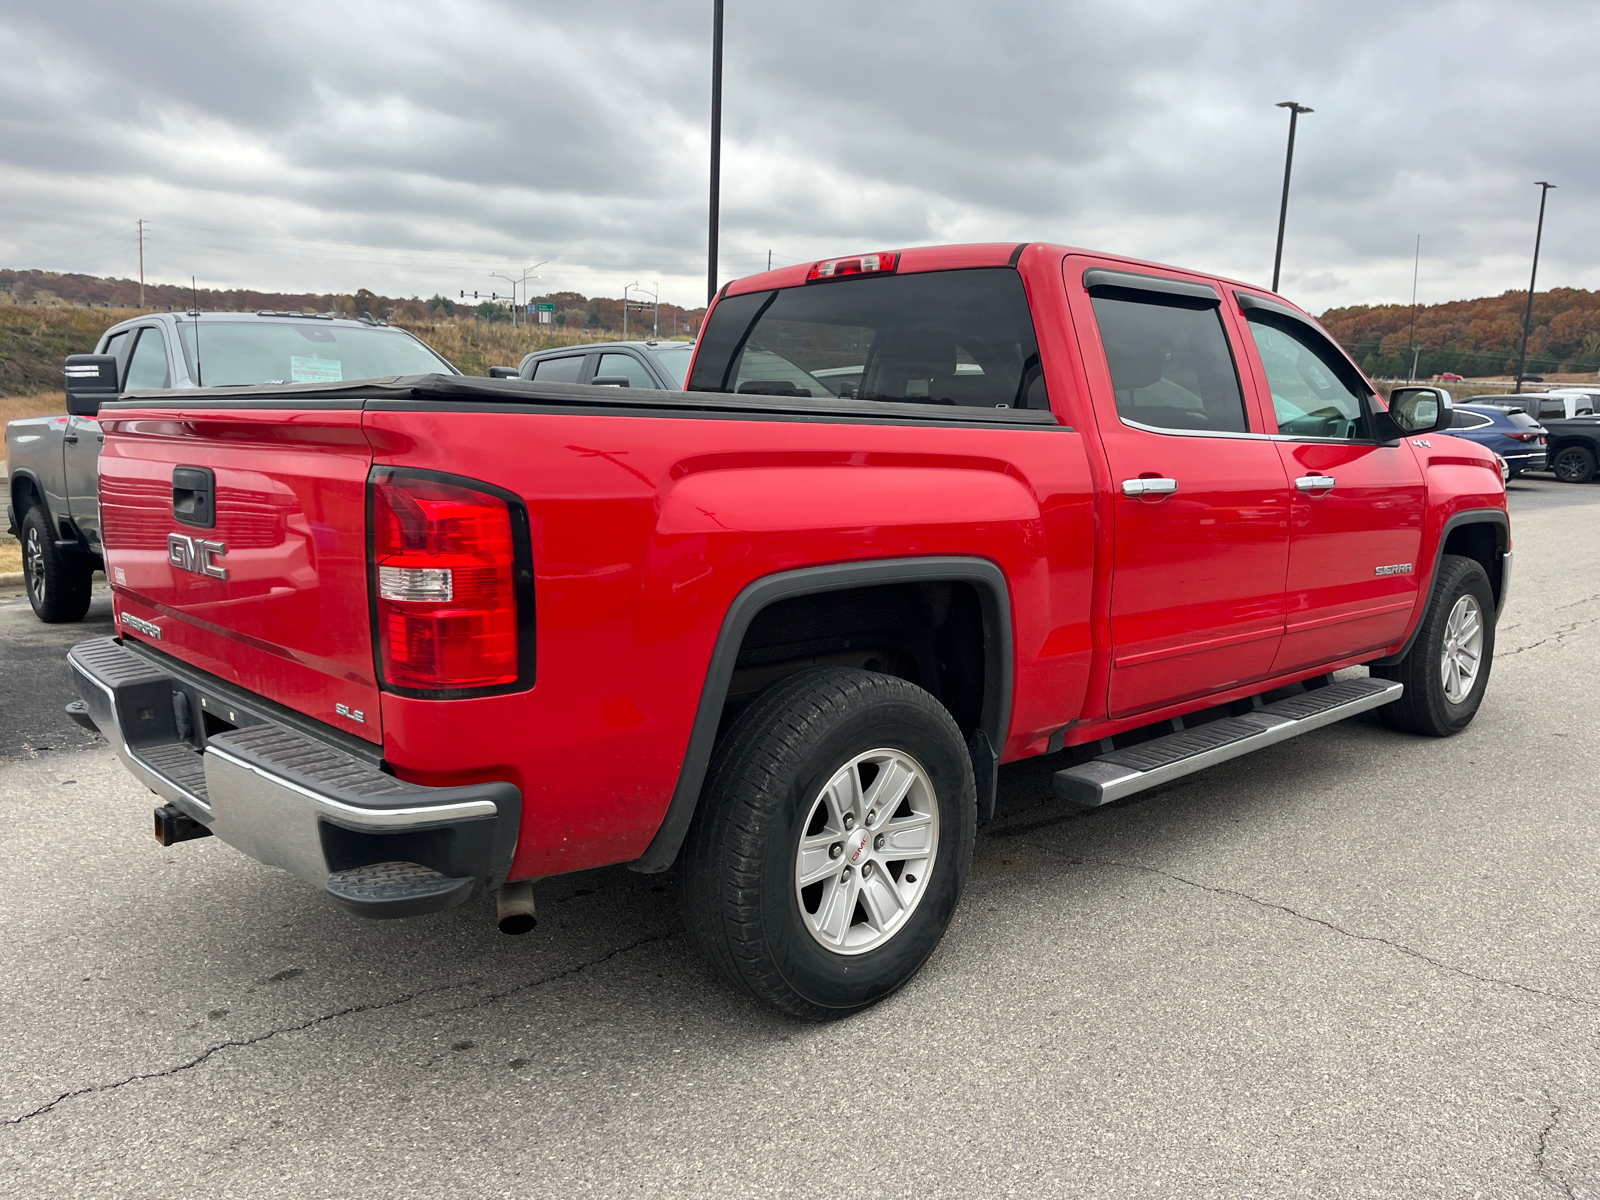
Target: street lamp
<point>656,298</point>
<point>514,282</point>
<point>1527,316</point>
<point>1295,109</point>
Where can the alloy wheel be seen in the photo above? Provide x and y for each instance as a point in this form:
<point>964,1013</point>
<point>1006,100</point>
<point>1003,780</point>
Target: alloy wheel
<point>1463,649</point>
<point>866,851</point>
<point>33,565</point>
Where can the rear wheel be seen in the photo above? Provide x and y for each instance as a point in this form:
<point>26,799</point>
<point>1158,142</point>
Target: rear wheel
<point>1446,671</point>
<point>1573,464</point>
<point>59,585</point>
<point>832,841</point>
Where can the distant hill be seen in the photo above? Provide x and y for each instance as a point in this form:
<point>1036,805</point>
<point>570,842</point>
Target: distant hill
<point>1474,337</point>
<point>50,288</point>
<point>44,316</point>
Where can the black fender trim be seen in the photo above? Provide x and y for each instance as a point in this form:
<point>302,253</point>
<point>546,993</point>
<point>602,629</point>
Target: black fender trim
<point>994,722</point>
<point>1472,516</point>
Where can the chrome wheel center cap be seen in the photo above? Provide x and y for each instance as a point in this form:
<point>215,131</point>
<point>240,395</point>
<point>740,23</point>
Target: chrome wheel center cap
<point>855,847</point>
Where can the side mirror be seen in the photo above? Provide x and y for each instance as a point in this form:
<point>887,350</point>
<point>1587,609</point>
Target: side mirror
<point>1421,409</point>
<point>91,379</point>
<point>609,381</point>
<point>504,373</point>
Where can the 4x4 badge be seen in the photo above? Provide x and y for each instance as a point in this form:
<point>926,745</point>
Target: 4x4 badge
<point>196,554</point>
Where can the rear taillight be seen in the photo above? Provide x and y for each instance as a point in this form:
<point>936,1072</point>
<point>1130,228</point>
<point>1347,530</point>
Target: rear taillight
<point>1524,437</point>
<point>862,264</point>
<point>451,585</point>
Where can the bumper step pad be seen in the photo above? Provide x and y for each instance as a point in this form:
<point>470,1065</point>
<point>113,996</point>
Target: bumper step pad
<point>395,889</point>
<point>1150,764</point>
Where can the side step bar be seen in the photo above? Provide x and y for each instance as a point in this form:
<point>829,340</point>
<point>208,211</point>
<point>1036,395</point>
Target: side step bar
<point>1149,764</point>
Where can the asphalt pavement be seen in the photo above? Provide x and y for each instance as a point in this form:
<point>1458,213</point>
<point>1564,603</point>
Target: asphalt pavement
<point>1355,964</point>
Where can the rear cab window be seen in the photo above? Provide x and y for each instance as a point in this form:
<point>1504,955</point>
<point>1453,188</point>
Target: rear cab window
<point>963,338</point>
<point>559,370</point>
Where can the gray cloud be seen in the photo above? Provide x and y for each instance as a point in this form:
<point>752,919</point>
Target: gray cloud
<point>414,147</point>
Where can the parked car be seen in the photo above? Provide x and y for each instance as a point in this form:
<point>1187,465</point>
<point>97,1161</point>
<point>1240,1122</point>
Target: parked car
<point>656,365</point>
<point>1572,443</point>
<point>461,634</point>
<point>1516,437</point>
<point>53,495</point>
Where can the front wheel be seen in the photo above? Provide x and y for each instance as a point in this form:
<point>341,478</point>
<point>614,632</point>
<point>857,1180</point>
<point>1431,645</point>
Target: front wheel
<point>1573,464</point>
<point>1446,671</point>
<point>59,585</point>
<point>832,841</point>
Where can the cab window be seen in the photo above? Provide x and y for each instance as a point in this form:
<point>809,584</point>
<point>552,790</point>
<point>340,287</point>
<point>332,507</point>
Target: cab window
<point>623,366</point>
<point>1171,367</point>
<point>959,338</point>
<point>1315,391</point>
<point>558,370</point>
<point>148,366</point>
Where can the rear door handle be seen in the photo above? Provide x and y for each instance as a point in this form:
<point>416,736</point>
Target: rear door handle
<point>1315,483</point>
<point>1149,487</point>
<point>69,437</point>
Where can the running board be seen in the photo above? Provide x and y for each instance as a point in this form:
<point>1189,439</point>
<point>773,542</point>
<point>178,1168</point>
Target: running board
<point>1149,764</point>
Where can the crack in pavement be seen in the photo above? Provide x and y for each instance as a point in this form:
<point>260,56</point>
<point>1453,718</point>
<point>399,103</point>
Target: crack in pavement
<point>377,1006</point>
<point>1545,1173</point>
<point>1554,636</point>
<point>1401,947</point>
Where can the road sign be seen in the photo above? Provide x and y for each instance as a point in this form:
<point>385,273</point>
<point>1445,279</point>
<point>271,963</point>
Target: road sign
<point>544,308</point>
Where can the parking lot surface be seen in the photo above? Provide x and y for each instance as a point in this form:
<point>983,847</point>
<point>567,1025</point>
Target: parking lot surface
<point>1355,964</point>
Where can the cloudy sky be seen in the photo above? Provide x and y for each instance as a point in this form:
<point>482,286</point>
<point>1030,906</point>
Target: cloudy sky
<point>416,147</point>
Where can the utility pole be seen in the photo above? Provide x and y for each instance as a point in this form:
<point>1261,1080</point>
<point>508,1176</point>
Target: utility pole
<point>716,147</point>
<point>1295,109</point>
<point>655,317</point>
<point>769,260</point>
<point>141,262</point>
<point>1415,266</point>
<point>1527,317</point>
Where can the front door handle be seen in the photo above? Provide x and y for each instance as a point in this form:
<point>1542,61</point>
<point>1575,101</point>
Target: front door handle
<point>1149,487</point>
<point>1315,483</point>
<point>69,437</point>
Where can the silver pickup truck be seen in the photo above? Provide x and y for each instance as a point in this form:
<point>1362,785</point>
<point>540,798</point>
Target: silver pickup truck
<point>53,462</point>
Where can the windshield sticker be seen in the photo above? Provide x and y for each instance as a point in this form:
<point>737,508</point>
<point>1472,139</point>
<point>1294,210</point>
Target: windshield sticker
<point>316,370</point>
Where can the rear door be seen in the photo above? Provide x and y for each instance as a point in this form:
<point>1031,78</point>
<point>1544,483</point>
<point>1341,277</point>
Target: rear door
<point>1200,506</point>
<point>236,540</point>
<point>1358,505</point>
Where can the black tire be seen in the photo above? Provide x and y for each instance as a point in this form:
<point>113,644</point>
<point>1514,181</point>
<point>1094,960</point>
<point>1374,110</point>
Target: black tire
<point>1573,464</point>
<point>740,897</point>
<point>59,586</point>
<point>1426,708</point>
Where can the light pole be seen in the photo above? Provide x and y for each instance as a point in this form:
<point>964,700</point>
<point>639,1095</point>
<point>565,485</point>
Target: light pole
<point>656,298</point>
<point>523,281</point>
<point>716,148</point>
<point>1527,316</point>
<point>1295,109</point>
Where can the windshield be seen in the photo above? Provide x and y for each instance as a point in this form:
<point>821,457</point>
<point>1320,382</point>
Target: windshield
<point>939,337</point>
<point>675,361</point>
<point>232,353</point>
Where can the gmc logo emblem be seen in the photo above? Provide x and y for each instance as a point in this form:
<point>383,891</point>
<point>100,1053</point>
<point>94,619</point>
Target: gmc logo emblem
<point>195,554</point>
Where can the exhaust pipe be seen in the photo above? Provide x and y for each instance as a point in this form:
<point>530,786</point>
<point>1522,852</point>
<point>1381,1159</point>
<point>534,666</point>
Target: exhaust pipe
<point>514,902</point>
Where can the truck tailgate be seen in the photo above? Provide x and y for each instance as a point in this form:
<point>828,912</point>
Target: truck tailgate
<point>270,596</point>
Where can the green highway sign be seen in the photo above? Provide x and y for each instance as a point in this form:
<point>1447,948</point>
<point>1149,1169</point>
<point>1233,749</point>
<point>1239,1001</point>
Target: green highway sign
<point>544,308</point>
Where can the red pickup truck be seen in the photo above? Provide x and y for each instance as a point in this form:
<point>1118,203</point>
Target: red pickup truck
<point>917,514</point>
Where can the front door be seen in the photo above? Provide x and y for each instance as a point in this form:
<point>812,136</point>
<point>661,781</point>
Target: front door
<point>1356,525</point>
<point>1200,501</point>
<point>146,368</point>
